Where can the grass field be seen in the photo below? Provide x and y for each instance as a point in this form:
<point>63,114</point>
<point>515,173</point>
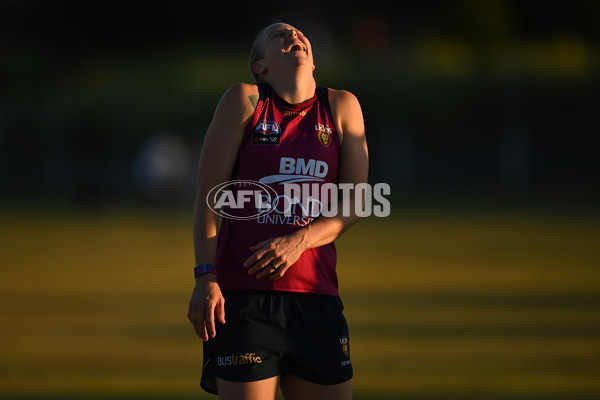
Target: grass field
<point>446,305</point>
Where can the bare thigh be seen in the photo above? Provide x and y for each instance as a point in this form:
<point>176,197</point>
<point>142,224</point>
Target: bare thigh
<point>295,388</point>
<point>265,389</point>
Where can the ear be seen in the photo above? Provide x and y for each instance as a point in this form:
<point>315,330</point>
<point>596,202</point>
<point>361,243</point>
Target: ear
<point>314,68</point>
<point>258,68</point>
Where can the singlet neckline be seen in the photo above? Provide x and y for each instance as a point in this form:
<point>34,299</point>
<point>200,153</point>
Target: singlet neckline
<point>296,106</point>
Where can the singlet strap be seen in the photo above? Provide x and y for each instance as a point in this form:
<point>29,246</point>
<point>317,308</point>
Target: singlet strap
<point>263,90</point>
<point>323,94</point>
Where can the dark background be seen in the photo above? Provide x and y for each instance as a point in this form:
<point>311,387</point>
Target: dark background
<point>105,104</point>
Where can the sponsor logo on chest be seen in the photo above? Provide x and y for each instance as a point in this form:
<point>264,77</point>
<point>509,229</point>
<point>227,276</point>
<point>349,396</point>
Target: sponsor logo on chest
<point>266,132</point>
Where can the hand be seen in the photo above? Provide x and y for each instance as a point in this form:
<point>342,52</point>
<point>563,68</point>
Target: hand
<point>206,302</point>
<point>273,257</point>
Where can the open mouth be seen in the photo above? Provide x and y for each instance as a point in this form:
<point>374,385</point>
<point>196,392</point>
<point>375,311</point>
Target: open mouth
<point>294,47</point>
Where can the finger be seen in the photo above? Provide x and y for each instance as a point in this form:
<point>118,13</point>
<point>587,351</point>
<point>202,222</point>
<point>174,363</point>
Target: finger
<point>278,273</point>
<point>258,245</point>
<point>262,264</point>
<point>191,315</point>
<point>257,255</point>
<point>209,320</point>
<point>259,249</point>
<point>204,333</point>
<point>271,268</point>
<point>199,328</point>
<point>197,320</point>
<point>221,311</point>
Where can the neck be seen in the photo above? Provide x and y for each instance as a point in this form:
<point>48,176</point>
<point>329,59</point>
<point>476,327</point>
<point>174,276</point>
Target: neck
<point>296,90</point>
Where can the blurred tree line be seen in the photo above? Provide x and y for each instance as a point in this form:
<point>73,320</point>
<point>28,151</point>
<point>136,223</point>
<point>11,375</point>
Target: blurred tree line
<point>106,103</point>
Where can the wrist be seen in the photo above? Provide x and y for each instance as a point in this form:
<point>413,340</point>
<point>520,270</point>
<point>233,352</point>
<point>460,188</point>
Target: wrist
<point>206,278</point>
<point>301,236</point>
<point>203,269</point>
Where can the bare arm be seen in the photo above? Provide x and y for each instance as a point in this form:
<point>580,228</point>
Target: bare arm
<point>354,163</point>
<point>221,144</point>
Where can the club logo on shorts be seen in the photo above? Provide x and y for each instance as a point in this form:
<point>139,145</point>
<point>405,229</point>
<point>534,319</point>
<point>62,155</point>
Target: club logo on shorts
<point>324,134</point>
<point>345,346</point>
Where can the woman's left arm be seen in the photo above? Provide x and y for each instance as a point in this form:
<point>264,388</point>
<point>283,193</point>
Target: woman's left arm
<point>284,251</point>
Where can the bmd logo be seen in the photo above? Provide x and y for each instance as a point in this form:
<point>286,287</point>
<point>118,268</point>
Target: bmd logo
<point>292,170</point>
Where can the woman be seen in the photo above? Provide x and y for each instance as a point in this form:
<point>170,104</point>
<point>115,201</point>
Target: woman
<point>273,277</point>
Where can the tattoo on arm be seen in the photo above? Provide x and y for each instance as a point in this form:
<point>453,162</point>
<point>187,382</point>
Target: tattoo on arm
<point>254,100</point>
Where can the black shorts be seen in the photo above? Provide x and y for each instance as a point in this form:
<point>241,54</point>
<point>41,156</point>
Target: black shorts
<point>269,334</point>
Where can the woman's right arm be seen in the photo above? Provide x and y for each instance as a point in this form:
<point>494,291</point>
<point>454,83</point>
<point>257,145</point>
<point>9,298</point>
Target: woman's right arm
<point>219,151</point>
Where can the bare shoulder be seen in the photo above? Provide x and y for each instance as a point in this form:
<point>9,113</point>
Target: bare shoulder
<point>240,99</point>
<point>347,113</point>
<point>341,99</point>
<point>242,89</point>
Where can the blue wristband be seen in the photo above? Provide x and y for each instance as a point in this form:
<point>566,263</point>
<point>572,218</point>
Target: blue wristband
<point>203,269</point>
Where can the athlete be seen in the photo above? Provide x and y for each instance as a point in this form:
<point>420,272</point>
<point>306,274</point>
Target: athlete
<point>266,300</point>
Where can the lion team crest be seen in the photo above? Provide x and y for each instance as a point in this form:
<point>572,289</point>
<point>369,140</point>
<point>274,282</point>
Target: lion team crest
<point>345,346</point>
<point>324,134</point>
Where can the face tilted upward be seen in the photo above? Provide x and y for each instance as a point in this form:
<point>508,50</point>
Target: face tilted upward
<point>285,44</point>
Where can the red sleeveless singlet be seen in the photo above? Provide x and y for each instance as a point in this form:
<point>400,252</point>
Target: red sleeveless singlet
<point>283,143</point>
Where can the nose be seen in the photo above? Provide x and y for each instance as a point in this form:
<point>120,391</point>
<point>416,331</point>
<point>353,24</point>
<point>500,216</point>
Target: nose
<point>292,33</point>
